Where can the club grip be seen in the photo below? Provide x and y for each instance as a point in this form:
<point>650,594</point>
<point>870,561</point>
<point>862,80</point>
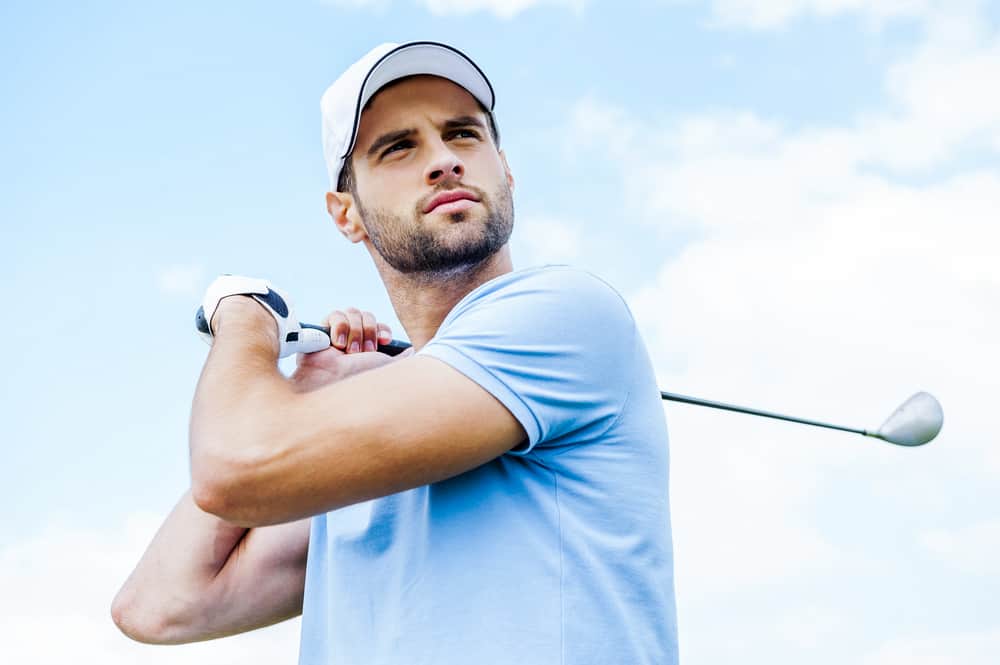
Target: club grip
<point>392,348</point>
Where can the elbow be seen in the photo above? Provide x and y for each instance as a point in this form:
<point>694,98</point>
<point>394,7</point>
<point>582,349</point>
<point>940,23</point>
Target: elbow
<point>225,488</point>
<point>233,470</point>
<point>138,623</point>
<point>216,492</point>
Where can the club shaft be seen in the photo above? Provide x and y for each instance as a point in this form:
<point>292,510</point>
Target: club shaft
<point>396,346</point>
<point>674,397</point>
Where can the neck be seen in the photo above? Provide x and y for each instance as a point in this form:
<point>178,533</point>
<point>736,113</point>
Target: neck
<point>422,300</point>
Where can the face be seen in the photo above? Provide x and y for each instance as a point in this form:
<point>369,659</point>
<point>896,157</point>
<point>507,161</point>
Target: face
<point>419,140</point>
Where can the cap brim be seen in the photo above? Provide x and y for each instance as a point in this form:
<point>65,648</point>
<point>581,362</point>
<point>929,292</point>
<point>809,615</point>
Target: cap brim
<point>422,58</point>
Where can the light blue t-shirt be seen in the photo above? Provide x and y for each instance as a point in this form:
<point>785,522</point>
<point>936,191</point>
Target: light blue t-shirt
<point>557,552</point>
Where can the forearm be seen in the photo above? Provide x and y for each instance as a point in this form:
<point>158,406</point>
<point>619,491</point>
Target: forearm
<point>202,578</point>
<point>162,598</point>
<point>236,417</point>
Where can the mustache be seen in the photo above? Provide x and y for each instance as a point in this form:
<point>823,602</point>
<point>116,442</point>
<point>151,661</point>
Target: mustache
<point>480,193</point>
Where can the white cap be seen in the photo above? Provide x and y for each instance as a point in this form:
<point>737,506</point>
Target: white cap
<point>343,101</point>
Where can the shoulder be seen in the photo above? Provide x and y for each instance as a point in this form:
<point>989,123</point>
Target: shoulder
<point>554,276</point>
<point>563,289</point>
<point>550,343</point>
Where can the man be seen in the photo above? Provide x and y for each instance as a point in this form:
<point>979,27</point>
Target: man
<point>499,496</point>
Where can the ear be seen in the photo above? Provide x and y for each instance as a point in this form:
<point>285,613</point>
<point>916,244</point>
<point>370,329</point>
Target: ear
<point>506,170</point>
<point>345,215</point>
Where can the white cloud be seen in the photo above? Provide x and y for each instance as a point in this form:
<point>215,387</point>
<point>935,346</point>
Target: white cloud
<point>55,608</point>
<point>541,240</point>
<point>504,9</point>
<point>181,280</point>
<point>972,648</point>
<point>809,627</point>
<point>374,5</point>
<point>822,284</point>
<point>943,97</point>
<point>771,14</point>
<point>972,549</point>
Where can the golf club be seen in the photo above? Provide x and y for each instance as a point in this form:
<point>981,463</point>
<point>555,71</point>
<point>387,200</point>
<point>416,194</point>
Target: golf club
<point>915,422</point>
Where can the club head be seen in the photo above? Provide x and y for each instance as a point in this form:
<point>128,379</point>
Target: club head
<point>917,421</point>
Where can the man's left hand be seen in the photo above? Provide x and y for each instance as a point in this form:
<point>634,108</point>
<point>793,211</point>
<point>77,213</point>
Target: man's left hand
<point>358,333</point>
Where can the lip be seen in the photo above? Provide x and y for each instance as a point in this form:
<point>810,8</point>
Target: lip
<point>448,197</point>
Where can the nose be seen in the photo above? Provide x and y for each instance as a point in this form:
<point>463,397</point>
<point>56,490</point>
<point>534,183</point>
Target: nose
<point>444,165</point>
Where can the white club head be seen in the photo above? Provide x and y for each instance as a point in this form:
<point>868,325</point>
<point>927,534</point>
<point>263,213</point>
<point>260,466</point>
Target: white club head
<point>914,423</point>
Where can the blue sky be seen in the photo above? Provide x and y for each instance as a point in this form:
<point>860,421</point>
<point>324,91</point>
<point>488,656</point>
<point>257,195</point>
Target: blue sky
<point>798,198</point>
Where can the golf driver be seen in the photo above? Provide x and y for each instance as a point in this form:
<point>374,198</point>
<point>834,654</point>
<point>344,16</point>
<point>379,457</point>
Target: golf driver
<point>914,423</point>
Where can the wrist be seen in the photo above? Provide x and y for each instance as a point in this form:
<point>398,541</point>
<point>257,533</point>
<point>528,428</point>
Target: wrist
<point>244,317</point>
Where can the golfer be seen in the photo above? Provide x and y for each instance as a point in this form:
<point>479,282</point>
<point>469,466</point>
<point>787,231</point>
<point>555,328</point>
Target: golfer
<point>497,495</point>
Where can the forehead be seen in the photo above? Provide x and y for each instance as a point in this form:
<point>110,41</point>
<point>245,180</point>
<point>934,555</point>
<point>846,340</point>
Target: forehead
<point>400,105</point>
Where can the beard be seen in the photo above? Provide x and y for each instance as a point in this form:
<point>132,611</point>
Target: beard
<point>415,247</point>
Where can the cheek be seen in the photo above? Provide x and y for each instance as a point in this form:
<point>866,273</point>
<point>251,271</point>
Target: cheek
<point>487,166</point>
<point>392,190</point>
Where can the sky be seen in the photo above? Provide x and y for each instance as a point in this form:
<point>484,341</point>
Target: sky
<point>799,199</point>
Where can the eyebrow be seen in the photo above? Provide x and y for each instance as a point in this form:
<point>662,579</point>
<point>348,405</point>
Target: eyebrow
<point>386,139</point>
<point>464,121</point>
<point>400,134</point>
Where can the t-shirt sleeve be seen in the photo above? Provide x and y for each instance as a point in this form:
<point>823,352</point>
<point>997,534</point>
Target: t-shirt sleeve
<point>552,346</point>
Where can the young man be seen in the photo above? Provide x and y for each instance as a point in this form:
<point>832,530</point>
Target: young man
<point>500,496</point>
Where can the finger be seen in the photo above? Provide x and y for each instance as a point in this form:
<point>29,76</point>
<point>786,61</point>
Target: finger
<point>370,331</point>
<point>384,334</point>
<point>355,337</point>
<point>339,327</point>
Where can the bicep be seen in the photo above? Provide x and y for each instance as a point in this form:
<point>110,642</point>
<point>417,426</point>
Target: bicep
<point>407,424</point>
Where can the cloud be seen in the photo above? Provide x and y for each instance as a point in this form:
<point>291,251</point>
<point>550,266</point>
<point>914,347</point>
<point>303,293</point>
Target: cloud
<point>504,9</point>
<point>501,8</point>
<point>541,240</point>
<point>58,585</point>
<point>181,280</point>
<point>771,14</point>
<point>824,281</point>
<point>972,648</point>
<point>973,549</point>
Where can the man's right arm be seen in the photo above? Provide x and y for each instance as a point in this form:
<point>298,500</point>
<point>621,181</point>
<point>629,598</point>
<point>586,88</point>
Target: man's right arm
<point>203,578</point>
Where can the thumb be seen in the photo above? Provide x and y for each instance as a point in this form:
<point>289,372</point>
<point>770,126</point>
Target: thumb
<point>305,340</point>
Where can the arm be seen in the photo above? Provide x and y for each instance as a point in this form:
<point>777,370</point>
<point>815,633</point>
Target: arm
<point>201,578</point>
<point>407,424</point>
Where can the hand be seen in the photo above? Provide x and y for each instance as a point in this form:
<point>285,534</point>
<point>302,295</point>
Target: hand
<point>355,336</point>
<point>291,337</point>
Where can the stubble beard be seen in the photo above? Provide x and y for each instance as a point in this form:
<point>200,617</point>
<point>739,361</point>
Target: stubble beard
<point>415,247</point>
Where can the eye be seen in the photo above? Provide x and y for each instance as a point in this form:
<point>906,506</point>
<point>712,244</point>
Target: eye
<point>397,146</point>
<point>464,134</point>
